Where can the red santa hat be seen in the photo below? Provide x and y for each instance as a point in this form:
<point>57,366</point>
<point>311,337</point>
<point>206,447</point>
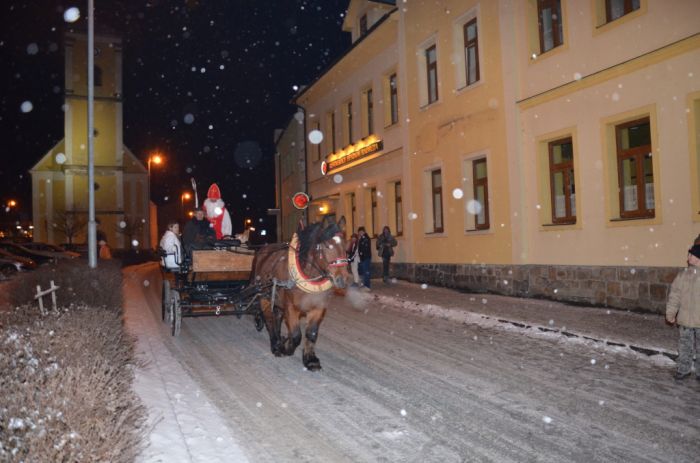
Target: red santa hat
<point>214,192</point>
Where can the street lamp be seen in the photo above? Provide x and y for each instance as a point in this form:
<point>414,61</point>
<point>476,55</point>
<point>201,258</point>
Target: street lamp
<point>155,159</point>
<point>185,197</point>
<point>12,203</point>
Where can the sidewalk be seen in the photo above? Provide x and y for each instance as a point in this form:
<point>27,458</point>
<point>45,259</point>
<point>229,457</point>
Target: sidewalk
<point>644,333</point>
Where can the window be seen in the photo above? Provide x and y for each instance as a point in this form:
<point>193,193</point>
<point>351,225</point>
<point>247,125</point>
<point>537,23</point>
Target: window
<point>363,24</point>
<point>370,112</point>
<point>348,124</point>
<point>481,194</point>
<point>394,99</point>
<point>471,51</point>
<point>97,76</point>
<point>615,9</point>
<point>331,126</point>
<point>317,148</point>
<point>561,181</point>
<point>353,211</point>
<point>436,189</point>
<point>431,70</point>
<point>373,199</point>
<point>634,169</point>
<point>398,209</point>
<point>550,24</point>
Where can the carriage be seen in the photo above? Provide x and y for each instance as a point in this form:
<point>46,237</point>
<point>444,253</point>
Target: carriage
<point>212,281</point>
<point>278,285</point>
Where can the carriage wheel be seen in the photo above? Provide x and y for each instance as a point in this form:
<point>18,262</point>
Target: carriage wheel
<point>176,313</point>
<point>165,299</point>
<point>172,294</point>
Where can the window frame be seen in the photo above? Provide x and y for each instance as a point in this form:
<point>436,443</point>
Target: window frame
<point>627,9</point>
<point>477,182</point>
<point>638,152</point>
<point>317,151</point>
<point>334,145</point>
<point>349,121</point>
<point>436,192</point>
<point>431,66</point>
<point>363,25</point>
<point>393,99</point>
<point>568,170</point>
<point>557,24</point>
<point>369,95</point>
<point>353,209</point>
<point>398,208</point>
<point>467,45</point>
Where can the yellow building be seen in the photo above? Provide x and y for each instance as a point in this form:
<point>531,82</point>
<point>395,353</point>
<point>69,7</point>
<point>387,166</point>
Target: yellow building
<point>59,179</point>
<point>357,171</point>
<point>544,148</point>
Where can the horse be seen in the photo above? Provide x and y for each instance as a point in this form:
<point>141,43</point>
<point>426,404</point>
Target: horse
<point>303,271</point>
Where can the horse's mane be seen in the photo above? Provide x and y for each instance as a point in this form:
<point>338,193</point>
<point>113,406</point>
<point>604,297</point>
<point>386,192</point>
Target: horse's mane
<point>313,234</point>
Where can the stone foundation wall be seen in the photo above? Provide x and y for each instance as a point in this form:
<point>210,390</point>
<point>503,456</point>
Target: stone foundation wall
<point>643,288</point>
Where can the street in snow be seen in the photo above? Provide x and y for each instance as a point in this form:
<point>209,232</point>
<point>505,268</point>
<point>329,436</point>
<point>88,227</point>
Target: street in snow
<point>397,385</point>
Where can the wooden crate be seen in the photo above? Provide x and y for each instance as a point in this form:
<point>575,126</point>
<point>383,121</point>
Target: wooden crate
<point>221,261</point>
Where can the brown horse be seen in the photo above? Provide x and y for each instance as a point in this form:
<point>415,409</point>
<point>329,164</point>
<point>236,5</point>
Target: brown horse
<point>304,271</point>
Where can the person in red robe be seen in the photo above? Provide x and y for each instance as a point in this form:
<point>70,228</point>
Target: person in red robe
<point>215,209</point>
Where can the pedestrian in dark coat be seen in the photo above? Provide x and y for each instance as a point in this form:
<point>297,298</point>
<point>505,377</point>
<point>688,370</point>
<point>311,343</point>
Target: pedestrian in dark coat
<point>385,249</point>
<point>198,232</point>
<point>365,252</point>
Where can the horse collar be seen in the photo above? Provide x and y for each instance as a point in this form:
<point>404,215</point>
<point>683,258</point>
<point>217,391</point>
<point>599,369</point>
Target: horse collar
<point>303,282</point>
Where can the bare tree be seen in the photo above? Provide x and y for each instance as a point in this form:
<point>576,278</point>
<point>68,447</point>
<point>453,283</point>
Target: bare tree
<point>130,227</point>
<point>70,223</point>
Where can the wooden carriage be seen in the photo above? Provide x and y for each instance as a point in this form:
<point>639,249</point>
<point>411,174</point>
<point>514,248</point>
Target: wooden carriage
<point>211,282</point>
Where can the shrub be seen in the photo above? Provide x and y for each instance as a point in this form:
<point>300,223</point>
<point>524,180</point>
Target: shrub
<point>67,377</point>
<point>79,284</point>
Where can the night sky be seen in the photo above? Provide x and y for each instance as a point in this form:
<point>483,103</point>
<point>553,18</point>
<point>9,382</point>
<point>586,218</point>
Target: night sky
<point>205,82</point>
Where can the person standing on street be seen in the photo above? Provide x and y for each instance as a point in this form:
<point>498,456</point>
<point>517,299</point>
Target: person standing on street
<point>354,258</point>
<point>385,248</point>
<point>683,309</point>
<point>365,252</point>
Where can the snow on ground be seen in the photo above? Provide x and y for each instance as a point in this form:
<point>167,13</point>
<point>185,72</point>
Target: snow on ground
<point>184,425</point>
<point>398,385</point>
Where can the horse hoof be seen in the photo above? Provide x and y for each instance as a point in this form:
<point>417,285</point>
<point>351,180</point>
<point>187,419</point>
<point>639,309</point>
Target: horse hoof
<point>312,364</point>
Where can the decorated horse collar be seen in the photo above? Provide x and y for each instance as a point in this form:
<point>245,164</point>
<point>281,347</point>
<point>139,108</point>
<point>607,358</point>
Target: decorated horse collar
<point>318,284</point>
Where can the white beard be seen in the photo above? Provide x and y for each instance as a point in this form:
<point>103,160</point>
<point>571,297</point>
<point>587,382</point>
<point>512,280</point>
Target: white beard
<point>211,204</point>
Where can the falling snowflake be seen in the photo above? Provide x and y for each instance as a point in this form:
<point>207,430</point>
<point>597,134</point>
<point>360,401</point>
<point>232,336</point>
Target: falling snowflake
<point>71,15</point>
<point>315,136</point>
<point>337,178</point>
<point>457,193</point>
<point>26,106</point>
<point>546,419</point>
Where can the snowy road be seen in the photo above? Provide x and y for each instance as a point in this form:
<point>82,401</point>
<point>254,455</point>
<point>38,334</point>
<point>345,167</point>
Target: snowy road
<point>401,387</point>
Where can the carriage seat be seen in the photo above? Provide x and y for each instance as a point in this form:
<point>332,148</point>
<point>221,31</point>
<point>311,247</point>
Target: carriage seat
<point>227,243</point>
<point>169,261</point>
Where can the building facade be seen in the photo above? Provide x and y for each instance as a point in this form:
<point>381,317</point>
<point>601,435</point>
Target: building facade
<point>544,148</point>
<point>290,168</point>
<point>59,179</point>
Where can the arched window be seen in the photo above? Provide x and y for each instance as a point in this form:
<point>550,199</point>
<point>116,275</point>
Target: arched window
<point>98,76</point>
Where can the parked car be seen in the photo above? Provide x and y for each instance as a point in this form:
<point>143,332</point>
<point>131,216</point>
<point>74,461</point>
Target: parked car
<point>26,262</point>
<point>10,266</point>
<point>21,251</point>
<point>52,250</point>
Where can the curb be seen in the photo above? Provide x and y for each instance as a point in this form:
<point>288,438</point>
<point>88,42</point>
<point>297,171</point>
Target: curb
<point>645,350</point>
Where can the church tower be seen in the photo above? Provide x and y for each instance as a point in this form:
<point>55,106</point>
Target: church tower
<point>59,179</point>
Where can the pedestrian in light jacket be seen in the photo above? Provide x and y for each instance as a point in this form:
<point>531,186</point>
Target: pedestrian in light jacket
<point>683,309</point>
<point>385,248</point>
<point>364,249</point>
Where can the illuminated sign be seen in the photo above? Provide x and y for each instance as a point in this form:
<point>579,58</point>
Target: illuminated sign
<point>300,200</point>
<point>353,156</point>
